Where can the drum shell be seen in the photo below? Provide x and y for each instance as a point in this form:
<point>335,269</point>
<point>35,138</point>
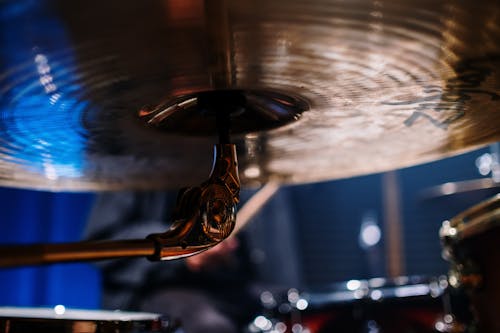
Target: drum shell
<point>482,250</point>
<point>418,314</point>
<point>470,242</point>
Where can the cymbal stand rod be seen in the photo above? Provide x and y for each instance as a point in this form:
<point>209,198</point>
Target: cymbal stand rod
<point>223,119</point>
<point>20,255</point>
<point>204,216</point>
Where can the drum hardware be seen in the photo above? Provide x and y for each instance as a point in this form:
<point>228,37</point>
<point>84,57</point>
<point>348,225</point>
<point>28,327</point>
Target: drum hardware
<point>463,272</point>
<point>203,217</point>
<point>25,255</point>
<point>469,244</point>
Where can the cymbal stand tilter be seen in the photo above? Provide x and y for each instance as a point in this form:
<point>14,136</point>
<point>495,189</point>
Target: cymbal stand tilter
<point>203,217</point>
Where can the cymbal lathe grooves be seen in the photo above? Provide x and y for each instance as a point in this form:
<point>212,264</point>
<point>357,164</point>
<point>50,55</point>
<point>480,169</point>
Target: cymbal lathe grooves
<point>98,95</point>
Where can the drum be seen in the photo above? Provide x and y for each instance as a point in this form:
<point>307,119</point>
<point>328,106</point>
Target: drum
<point>470,243</point>
<point>401,305</point>
<point>61,320</point>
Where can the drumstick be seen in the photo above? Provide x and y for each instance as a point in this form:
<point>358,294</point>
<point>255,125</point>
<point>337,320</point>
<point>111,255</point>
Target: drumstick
<point>254,205</point>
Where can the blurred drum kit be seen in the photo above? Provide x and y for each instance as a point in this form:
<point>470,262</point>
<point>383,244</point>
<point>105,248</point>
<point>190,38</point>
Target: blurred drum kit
<point>108,95</point>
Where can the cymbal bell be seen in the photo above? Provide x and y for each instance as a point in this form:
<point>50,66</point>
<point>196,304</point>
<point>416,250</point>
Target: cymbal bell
<point>99,95</point>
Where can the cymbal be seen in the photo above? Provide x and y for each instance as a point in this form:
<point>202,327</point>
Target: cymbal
<point>464,187</point>
<point>108,94</point>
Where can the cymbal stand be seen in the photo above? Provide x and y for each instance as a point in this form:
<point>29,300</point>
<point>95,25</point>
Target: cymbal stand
<point>204,216</point>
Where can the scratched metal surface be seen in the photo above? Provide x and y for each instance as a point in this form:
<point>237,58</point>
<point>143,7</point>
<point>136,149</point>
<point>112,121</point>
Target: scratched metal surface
<point>389,84</point>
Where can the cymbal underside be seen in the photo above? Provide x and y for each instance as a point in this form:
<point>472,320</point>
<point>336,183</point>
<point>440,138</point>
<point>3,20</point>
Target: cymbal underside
<point>332,89</point>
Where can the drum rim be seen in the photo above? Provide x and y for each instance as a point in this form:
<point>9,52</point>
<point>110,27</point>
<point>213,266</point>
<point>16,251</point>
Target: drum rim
<point>91,315</point>
<point>473,221</point>
<point>380,289</point>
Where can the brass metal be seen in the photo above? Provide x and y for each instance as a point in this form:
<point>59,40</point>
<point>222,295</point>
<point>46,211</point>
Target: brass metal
<point>388,83</point>
<point>203,217</point>
<point>22,255</point>
<point>477,219</point>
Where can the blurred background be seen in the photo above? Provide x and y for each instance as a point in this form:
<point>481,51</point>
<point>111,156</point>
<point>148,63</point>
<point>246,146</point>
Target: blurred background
<point>333,231</point>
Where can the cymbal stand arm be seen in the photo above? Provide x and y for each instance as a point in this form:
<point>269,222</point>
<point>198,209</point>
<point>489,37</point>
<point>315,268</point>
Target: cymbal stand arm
<point>204,216</point>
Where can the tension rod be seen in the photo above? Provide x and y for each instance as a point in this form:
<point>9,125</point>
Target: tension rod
<point>203,217</point>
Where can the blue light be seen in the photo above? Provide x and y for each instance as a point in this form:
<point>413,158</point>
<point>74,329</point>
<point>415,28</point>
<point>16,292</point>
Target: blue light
<point>41,105</point>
